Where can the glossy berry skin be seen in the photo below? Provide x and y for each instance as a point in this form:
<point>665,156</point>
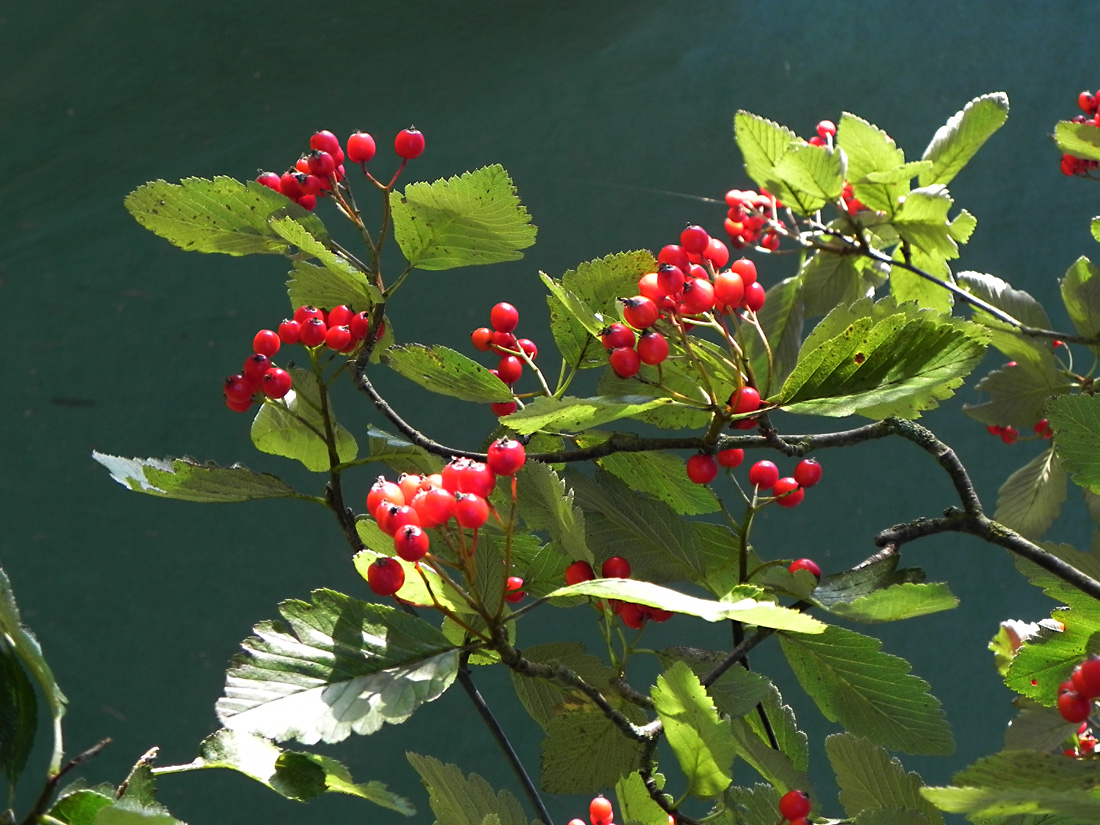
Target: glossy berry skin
<point>1073,706</point>
<point>702,468</point>
<point>325,141</point>
<point>808,472</point>
<point>304,313</point>
<point>360,325</point>
<point>731,458</point>
<point>510,369</point>
<point>386,576</point>
<point>763,474</point>
<point>482,339</point>
<point>652,347</point>
<point>477,478</point>
<point>409,143</point>
<point>255,366</point>
<point>504,317</point>
<point>239,389</point>
<point>674,255</point>
<point>339,338</point>
<point>360,147</point>
<point>340,316</point>
<point>754,297</point>
<point>625,361</point>
<point>514,588</point>
<point>471,511</point>
<point>694,239</point>
<point>746,269</point>
<point>435,506</point>
<point>717,253</point>
<point>794,804</point>
<point>788,493</point>
<point>698,297</point>
<point>670,279</point>
<point>383,491</point>
<point>503,408</point>
<point>266,342</point>
<point>268,179</point>
<point>1087,675</point>
<point>746,401</point>
<point>276,383</point>
<point>806,564</point>
<point>290,331</point>
<point>729,288</point>
<point>633,615</point>
<point>600,811</point>
<point>826,128</point>
<point>640,312</point>
<point>615,567</point>
<point>411,542</point>
<point>506,456</point>
<point>579,571</point>
<point>615,336</point>
<point>313,332</point>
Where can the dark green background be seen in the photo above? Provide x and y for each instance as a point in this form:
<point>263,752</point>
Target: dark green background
<point>603,113</point>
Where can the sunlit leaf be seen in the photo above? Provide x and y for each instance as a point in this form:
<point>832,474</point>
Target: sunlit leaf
<point>464,800</point>
<point>188,480</point>
<point>571,413</point>
<point>584,752</point>
<point>870,778</point>
<point>956,142</point>
<point>447,372</point>
<point>1031,498</point>
<point>902,601</point>
<point>1019,394</point>
<point>1075,420</point>
<point>1078,139</point>
<point>871,152</point>
<point>661,475</point>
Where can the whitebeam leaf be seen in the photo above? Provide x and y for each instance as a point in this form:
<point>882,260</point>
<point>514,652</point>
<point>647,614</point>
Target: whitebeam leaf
<point>334,667</point>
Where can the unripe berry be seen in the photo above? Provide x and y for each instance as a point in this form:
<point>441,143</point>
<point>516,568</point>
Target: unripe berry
<point>409,143</point>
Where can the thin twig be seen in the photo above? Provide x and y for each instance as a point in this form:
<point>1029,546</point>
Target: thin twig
<point>43,801</point>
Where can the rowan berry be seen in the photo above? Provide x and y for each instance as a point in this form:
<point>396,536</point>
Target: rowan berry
<point>361,147</point>
<point>276,383</point>
<point>471,511</point>
<point>313,332</point>
<point>652,347</point>
<point>1090,677</point>
<point>615,567</point>
<point>763,474</point>
<point>290,332</point>
<point>1009,435</point>
<point>503,408</point>
<point>729,288</point>
<point>702,468</point>
<point>308,202</point>
<point>528,348</point>
<point>477,479</point>
<point>617,335</point>
<point>640,312</point>
<point>325,141</point>
<point>717,253</point>
<point>482,339</point>
<point>383,491</point>
<point>746,269</point>
<point>411,543</point>
<point>794,804</point>
<point>674,255</point>
<point>238,406</point>
<point>386,576</point>
<point>514,587</point>
<point>504,317</point>
<point>633,615</point>
<point>339,338</point>
<point>510,369</point>
<point>304,313</point>
<point>1042,429</point>
<point>600,811</point>
<point>745,401</point>
<point>826,128</point>
<point>698,297</point>
<point>321,164</point>
<point>579,571</point>
<point>670,279</point>
<point>731,458</point>
<point>266,342</point>
<point>255,366</point>
<point>506,456</point>
<point>755,297</point>
<point>269,179</point>
<point>787,492</point>
<point>694,239</point>
<point>393,518</point>
<point>504,341</point>
<point>435,506</point>
<point>625,361</point>
<point>360,325</point>
<point>239,389</point>
<point>409,143</point>
<point>1073,706</point>
<point>807,473</point>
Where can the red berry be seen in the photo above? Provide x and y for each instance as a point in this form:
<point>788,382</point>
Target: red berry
<point>794,804</point>
<point>640,312</point>
<point>652,347</point>
<point>339,338</point>
<point>763,474</point>
<point>269,179</point>
<point>290,332</point>
<point>504,341</point>
<point>308,202</point>
<point>409,143</point>
<point>238,406</point>
<point>787,492</point>
<point>755,296</point>
<point>698,297</point>
<point>615,567</point>
<point>617,335</point>
<point>410,485</point>
<point>435,506</point>
<point>383,491</point>
<point>477,479</point>
<point>1090,677</point>
<point>746,269</point>
<point>304,313</point>
<point>1009,435</point>
<point>717,253</point>
<point>325,141</point>
<point>807,473</point>
<point>600,811</point>
<point>510,369</point>
<point>702,468</point>
<point>674,256</point>
<point>633,615</point>
<point>729,288</point>
<point>1073,706</point>
<point>504,317</point>
<point>670,279</point>
<point>321,164</point>
<point>579,571</point>
<point>471,510</point>
<point>239,389</point>
<point>360,325</point>
<point>255,366</point>
<point>340,316</point>
<point>527,346</point>
<point>360,147</point>
<point>503,408</point>
<point>731,458</point>
<point>276,383</point>
<point>694,239</point>
<point>826,128</point>
<point>625,361</point>
<point>1042,429</point>
<point>806,564</point>
<point>266,342</point>
<point>482,339</point>
<point>506,456</point>
<point>746,401</point>
<point>386,576</point>
<point>393,518</point>
<point>514,587</point>
<point>289,185</point>
<point>411,542</point>
<point>1087,101</point>
<point>313,332</point>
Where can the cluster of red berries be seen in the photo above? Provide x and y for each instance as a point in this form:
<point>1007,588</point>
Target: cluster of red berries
<point>1090,105</point>
<point>317,172</point>
<point>795,806</point>
<point>408,508</point>
<point>1010,435</point>
<point>681,289</point>
<point>748,213</point>
<point>340,329</point>
<point>1075,695</point>
<point>500,338</point>
<point>1083,744</point>
<point>702,468</point>
<point>633,615</point>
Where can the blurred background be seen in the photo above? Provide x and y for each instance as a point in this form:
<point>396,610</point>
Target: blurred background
<point>615,122</point>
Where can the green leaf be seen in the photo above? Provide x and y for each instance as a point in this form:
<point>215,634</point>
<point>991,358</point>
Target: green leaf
<point>544,700</point>
<point>660,544</point>
<point>1075,419</point>
<point>752,745</point>
<point>219,215</point>
<point>125,812</point>
<point>294,775</point>
<point>1081,295</point>
<point>1001,294</point>
<point>870,692</point>
<point>792,741</point>
<point>464,800</point>
<point>636,806</point>
<point>1082,140</point>
<point>1031,498</point>
<point>871,153</point>
<point>577,344</point>
<point>852,585</point>
<point>738,608</point>
<point>661,475</point>
<point>18,715</point>
<point>699,739</point>
<point>17,639</point>
<point>400,455</point>
<point>758,805</point>
<point>1035,727</point>
<point>346,282</point>
<point>870,778</point>
<point>418,578</point>
<point>828,281</point>
<point>188,480</point>
<point>294,427</point>
<point>546,503</point>
<point>334,667</point>
<point>471,219</point>
<point>781,319</point>
<point>80,806</point>
<point>922,221</point>
<point>902,601</point>
<point>762,144</point>
<point>570,413</point>
<point>736,693</point>
<point>1019,394</point>
<point>444,371</point>
<point>985,804</point>
<point>814,175</point>
<point>956,142</point>
<point>885,361</point>
<point>312,285</point>
<point>584,752</point>
<point>908,286</point>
